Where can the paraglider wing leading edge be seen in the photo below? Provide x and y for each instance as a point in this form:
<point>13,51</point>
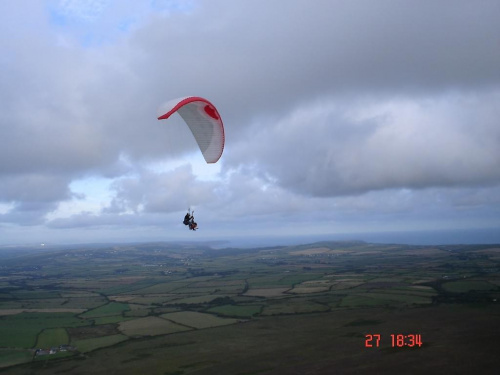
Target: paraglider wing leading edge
<point>203,120</point>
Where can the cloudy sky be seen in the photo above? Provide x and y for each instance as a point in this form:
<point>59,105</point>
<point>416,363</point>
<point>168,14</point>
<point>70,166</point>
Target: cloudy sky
<point>340,117</point>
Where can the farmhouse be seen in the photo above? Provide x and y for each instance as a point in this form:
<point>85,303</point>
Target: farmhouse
<point>54,350</point>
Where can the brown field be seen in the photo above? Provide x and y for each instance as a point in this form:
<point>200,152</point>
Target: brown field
<point>313,251</point>
<point>424,288</point>
<point>89,332</point>
<point>346,285</point>
<point>124,298</point>
<point>426,252</point>
<point>197,320</point>
<point>134,306</point>
<point>319,250</point>
<point>266,292</point>
<point>309,289</point>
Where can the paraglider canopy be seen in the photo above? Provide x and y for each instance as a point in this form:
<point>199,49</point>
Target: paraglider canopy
<point>204,122</point>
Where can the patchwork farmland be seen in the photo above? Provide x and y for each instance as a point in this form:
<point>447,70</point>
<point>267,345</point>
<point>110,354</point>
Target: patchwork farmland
<point>175,309</point>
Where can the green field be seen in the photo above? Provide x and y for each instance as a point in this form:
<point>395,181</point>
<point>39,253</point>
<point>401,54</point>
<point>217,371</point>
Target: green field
<point>52,337</point>
<point>293,306</point>
<point>111,319</point>
<point>110,309</point>
<point>21,330</point>
<point>239,311</point>
<point>9,357</point>
<point>150,326</point>
<point>467,286</point>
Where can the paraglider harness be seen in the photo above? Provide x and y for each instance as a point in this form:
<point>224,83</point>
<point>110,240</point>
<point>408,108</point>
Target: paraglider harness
<point>189,220</point>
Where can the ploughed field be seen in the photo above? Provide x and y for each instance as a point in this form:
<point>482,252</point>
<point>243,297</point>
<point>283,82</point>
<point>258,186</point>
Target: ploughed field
<point>176,309</point>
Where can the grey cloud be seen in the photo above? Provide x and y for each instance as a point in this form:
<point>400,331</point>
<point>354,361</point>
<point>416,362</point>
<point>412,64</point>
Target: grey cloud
<point>28,213</point>
<point>271,207</point>
<point>321,151</point>
<point>77,110</point>
<point>90,220</point>
<point>33,196</point>
<point>286,52</point>
<point>34,187</point>
<point>160,192</point>
<point>287,77</point>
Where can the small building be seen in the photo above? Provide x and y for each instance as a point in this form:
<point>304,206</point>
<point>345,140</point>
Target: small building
<point>40,352</point>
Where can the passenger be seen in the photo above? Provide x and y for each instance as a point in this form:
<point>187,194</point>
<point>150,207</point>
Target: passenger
<point>187,219</point>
